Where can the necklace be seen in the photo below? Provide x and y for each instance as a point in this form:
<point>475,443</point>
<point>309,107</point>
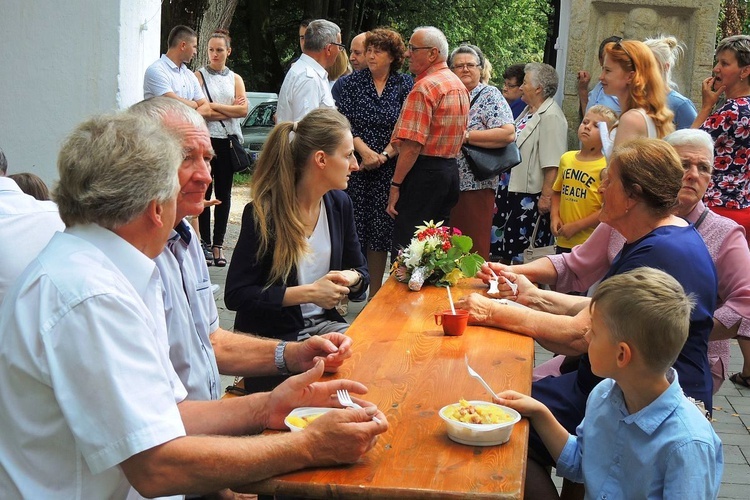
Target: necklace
<point>223,72</point>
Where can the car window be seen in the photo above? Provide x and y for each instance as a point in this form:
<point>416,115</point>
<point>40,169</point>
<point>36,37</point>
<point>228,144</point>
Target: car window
<point>261,116</point>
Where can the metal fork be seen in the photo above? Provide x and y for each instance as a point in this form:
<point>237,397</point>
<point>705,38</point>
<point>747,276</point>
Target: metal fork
<point>346,400</point>
<point>478,377</point>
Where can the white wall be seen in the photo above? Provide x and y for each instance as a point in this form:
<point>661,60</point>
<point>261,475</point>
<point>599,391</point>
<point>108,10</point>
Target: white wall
<point>61,62</point>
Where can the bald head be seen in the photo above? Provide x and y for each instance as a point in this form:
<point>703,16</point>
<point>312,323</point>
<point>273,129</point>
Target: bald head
<point>357,52</point>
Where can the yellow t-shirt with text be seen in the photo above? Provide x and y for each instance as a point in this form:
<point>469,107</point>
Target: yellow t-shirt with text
<point>578,184</point>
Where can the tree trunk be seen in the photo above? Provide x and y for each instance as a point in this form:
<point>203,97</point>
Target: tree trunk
<point>217,14</point>
<point>174,12</point>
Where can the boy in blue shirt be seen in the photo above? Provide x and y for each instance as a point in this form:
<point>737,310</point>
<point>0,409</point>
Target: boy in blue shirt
<point>641,437</point>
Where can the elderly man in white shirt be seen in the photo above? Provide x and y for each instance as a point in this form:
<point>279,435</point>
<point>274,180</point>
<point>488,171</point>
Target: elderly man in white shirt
<point>306,84</point>
<point>26,226</point>
<point>198,347</point>
<point>89,400</point>
<point>169,75</point>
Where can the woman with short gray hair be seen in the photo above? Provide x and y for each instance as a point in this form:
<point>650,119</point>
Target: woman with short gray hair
<point>490,126</point>
<point>525,193</point>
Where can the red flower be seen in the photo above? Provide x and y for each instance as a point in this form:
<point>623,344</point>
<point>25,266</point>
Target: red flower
<point>722,163</point>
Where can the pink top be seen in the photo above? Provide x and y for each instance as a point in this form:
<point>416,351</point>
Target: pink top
<point>725,240</point>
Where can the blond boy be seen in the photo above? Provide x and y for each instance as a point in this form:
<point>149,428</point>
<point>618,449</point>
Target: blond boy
<point>576,201</point>
<point>641,437</point>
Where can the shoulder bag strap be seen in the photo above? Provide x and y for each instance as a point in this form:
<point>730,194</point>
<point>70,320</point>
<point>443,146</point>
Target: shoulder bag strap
<point>701,219</point>
<point>208,94</point>
<point>477,96</point>
<point>533,234</point>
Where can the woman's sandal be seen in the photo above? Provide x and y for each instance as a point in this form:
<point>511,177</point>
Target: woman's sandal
<point>220,260</point>
<point>738,379</point>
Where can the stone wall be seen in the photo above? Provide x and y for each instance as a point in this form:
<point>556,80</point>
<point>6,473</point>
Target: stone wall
<point>692,22</point>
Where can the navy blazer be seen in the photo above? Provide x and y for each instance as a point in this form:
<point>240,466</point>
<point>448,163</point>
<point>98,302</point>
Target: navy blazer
<point>259,309</point>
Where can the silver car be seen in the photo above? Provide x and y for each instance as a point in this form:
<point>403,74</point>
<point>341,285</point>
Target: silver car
<point>257,126</point>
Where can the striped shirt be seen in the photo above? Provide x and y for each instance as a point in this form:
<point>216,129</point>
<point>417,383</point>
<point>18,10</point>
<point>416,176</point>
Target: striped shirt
<point>435,113</point>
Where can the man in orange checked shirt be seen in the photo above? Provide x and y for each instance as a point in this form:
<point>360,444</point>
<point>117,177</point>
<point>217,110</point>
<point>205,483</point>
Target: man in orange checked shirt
<point>428,134</point>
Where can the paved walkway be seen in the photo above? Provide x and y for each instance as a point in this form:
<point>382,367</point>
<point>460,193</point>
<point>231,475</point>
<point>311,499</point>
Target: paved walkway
<point>731,403</point>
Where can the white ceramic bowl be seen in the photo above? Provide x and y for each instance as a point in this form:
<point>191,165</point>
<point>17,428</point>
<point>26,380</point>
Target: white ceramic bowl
<point>304,411</point>
<point>480,434</point>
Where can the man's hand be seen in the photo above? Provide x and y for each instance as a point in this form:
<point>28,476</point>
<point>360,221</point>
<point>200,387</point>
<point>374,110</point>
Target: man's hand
<point>392,200</point>
<point>332,348</point>
<point>343,436</point>
<point>306,390</point>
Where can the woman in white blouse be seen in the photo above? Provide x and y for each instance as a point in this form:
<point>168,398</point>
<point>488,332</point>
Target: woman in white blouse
<point>226,92</point>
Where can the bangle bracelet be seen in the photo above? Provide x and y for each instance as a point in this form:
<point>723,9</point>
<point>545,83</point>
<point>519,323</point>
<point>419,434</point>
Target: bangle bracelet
<point>395,184</point>
<point>278,358</point>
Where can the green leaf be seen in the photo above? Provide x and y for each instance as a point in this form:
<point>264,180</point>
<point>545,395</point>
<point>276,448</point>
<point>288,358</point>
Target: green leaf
<point>455,253</point>
<point>471,264</point>
<point>462,242</point>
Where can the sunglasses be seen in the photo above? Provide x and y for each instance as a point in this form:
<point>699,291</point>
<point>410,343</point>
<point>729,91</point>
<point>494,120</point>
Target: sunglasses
<point>620,46</point>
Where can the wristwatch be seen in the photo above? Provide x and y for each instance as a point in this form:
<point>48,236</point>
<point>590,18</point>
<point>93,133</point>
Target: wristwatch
<point>387,156</point>
<point>278,358</point>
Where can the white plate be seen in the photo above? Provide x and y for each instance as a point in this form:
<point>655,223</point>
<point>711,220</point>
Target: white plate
<point>304,411</point>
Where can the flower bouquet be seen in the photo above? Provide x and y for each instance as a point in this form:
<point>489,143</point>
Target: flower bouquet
<point>438,255</point>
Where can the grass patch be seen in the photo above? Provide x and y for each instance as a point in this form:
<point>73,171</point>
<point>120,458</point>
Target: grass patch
<point>242,179</point>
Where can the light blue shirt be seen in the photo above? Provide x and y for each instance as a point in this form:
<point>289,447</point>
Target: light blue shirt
<point>598,96</point>
<point>666,450</point>
<point>683,109</point>
<point>191,313</point>
<point>165,76</point>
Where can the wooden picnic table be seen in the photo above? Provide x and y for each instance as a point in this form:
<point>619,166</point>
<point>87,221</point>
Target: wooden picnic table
<point>412,370</point>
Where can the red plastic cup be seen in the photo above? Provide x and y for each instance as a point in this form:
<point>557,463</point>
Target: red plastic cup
<point>453,324</point>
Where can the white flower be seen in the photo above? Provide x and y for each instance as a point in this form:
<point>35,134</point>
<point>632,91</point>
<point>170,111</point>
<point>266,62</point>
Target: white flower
<point>414,253</point>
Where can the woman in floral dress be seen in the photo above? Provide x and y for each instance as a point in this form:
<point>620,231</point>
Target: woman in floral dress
<point>729,126</point>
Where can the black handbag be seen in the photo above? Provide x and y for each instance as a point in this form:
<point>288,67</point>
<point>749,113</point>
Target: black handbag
<point>486,163</point>
<point>237,154</point>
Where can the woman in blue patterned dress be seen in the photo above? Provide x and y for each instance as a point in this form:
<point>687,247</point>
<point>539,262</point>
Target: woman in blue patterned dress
<point>371,99</point>
<point>490,126</point>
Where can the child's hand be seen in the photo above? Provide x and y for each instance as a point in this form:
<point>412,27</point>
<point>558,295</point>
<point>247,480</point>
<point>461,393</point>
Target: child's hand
<point>555,226</point>
<point>525,405</point>
<point>566,231</point>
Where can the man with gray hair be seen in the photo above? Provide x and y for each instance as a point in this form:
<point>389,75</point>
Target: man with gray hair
<point>306,84</point>
<point>428,134</point>
<point>90,402</point>
<point>198,347</point>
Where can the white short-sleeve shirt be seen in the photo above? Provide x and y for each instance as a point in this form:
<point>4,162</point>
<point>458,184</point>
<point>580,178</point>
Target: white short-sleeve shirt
<point>84,361</point>
<point>26,226</point>
<point>305,88</point>
<point>165,76</point>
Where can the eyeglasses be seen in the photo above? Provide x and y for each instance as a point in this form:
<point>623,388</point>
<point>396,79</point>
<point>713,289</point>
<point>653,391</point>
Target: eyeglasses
<point>465,66</point>
<point>510,86</point>
<point>339,45</point>
<point>412,48</point>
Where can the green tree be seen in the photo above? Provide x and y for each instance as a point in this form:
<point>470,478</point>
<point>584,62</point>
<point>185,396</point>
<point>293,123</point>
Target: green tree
<point>264,32</point>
